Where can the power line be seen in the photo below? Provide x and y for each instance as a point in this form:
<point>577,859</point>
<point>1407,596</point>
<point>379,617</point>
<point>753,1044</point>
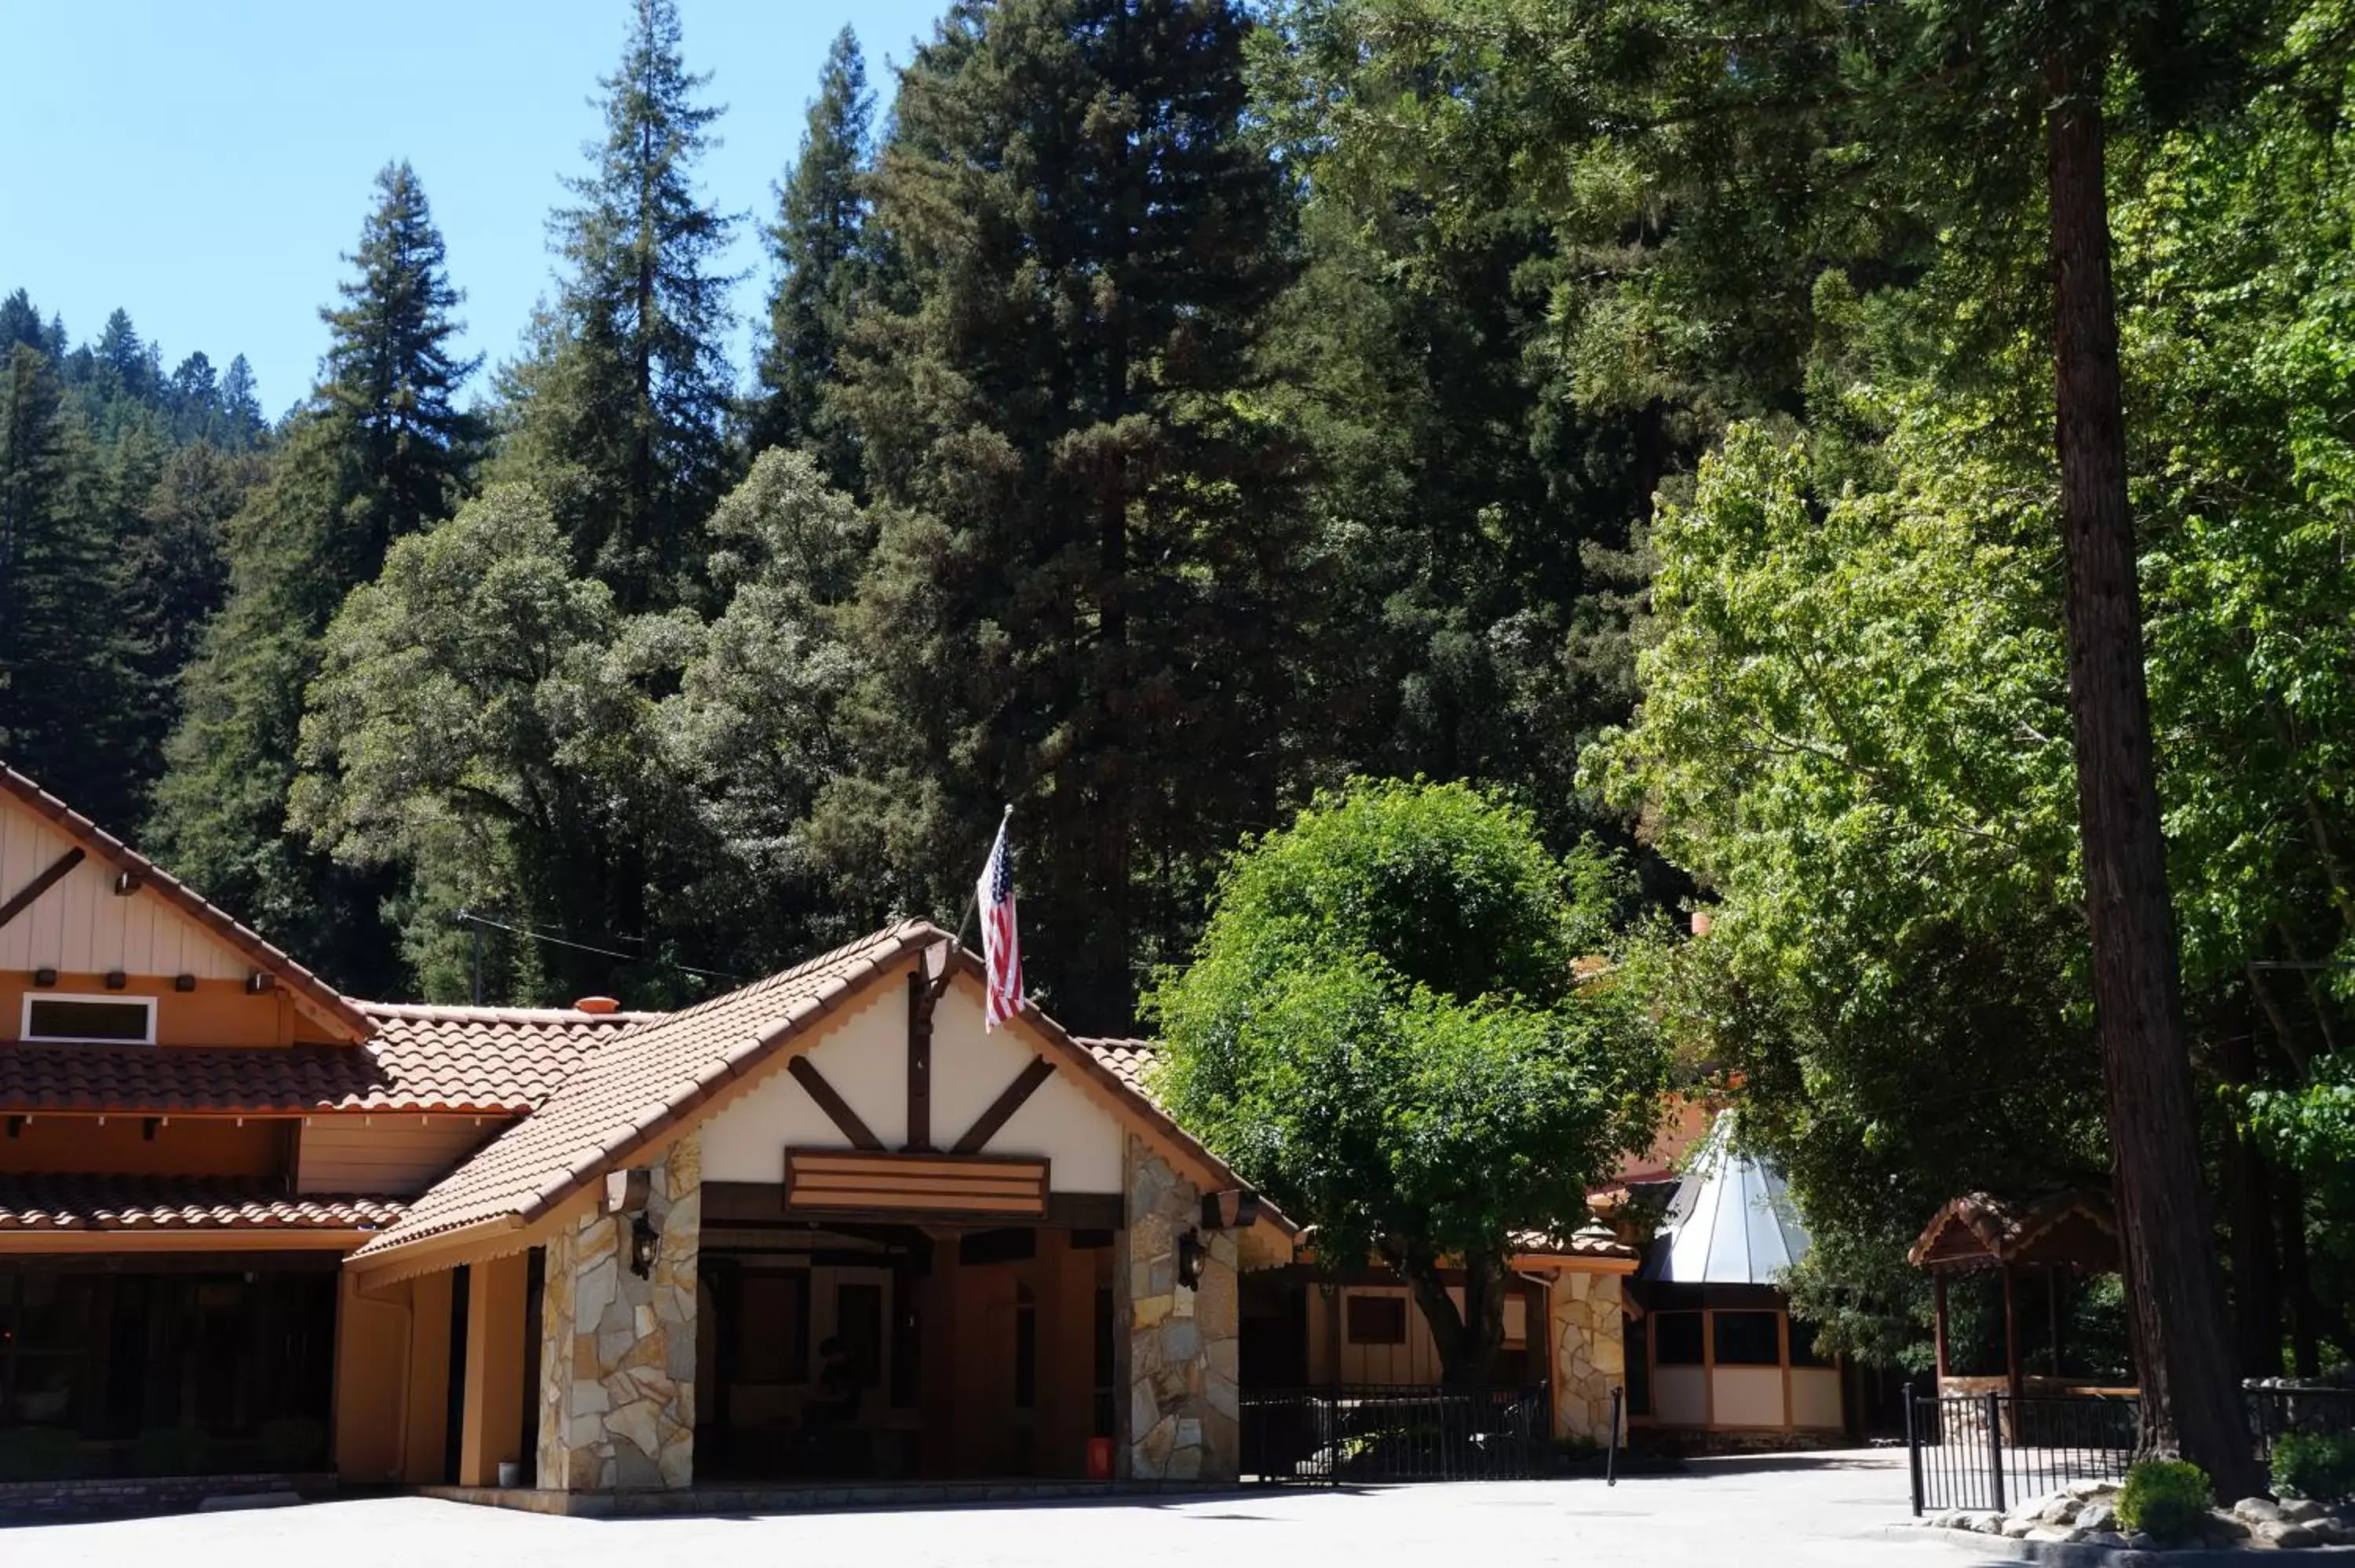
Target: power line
<point>468,918</point>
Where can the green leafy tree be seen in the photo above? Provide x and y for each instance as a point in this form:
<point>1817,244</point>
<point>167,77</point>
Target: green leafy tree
<point>1092,595</point>
<point>617,414</point>
<point>1382,1027</point>
<point>818,245</point>
<point>754,731</point>
<point>480,725</point>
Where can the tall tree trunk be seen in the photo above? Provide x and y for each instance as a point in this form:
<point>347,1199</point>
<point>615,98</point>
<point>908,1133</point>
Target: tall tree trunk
<point>2191,1396</point>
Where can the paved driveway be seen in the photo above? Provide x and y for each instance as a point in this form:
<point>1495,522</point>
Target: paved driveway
<point>1799,1511</point>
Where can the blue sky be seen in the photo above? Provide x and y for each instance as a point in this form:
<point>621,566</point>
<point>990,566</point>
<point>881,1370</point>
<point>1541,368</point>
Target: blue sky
<point>205,164</point>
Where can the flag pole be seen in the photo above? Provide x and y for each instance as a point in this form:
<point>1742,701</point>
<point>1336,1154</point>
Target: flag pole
<point>971,898</point>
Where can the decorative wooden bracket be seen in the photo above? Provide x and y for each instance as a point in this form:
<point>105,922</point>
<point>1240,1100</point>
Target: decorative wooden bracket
<point>836,1109</point>
<point>1001,1110</point>
<point>22,899</point>
<point>1231,1210</point>
<point>920,999</point>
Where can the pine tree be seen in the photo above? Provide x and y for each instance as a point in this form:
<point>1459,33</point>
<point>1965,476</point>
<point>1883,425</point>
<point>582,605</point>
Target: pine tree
<point>380,451</point>
<point>20,323</point>
<point>243,424</point>
<point>69,708</point>
<point>818,245</point>
<point>391,384</point>
<point>1092,606</point>
<point>619,412</point>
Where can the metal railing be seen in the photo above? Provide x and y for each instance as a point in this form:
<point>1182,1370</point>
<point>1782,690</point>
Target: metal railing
<point>1367,1434</point>
<point>1990,1451</point>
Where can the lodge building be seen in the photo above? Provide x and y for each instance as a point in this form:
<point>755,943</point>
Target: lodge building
<point>825,1226</point>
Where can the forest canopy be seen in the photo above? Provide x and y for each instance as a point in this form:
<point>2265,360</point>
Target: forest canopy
<point>1165,413</point>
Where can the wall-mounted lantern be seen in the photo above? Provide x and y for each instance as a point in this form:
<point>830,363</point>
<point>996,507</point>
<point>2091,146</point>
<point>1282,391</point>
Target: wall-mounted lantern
<point>1192,1255</point>
<point>626,1192</point>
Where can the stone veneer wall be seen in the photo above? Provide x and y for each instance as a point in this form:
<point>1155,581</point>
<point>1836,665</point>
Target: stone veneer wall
<point>1183,1402</point>
<point>1589,1344</point>
<point>617,1353</point>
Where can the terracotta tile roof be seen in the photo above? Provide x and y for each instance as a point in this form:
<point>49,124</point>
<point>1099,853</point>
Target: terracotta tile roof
<point>1589,1241</point>
<point>481,1058</point>
<point>654,1076</point>
<point>323,997</point>
<point>1131,1061</point>
<point>639,1083</point>
<point>499,1061</point>
<point>176,1204</point>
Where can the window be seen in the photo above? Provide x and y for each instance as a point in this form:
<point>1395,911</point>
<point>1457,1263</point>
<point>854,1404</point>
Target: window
<point>90,1018</point>
<point>1747,1338</point>
<point>1675,1339</point>
<point>1377,1319</point>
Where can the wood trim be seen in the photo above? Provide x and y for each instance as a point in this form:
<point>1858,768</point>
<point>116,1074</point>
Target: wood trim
<point>919,1062</point>
<point>915,1184</point>
<point>836,1109</point>
<point>1001,1109</point>
<point>25,896</point>
<point>132,1243</point>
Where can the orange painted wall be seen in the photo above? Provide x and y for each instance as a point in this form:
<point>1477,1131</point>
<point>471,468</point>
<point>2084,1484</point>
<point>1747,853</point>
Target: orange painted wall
<point>218,1012</point>
<point>372,1333</point>
<point>183,1146</point>
<point>427,1433</point>
<point>492,1423</point>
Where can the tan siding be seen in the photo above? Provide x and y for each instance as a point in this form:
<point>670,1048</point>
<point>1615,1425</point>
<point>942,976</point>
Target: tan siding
<point>80,925</point>
<point>393,1155</point>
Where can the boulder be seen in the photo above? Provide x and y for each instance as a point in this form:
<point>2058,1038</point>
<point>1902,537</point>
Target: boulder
<point>2096,1515</point>
<point>2257,1510</point>
<point>2285,1534</point>
<point>2060,1510</point>
<point>2087,1487</point>
<point>2047,1532</point>
<point>1986,1523</point>
<point>2142,1540</point>
<point>2226,1526</point>
<point>2016,1529</point>
<point>2305,1511</point>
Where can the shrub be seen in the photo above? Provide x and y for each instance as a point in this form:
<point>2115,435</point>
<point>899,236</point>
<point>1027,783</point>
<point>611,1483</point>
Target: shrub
<point>2163,1498</point>
<point>2315,1464</point>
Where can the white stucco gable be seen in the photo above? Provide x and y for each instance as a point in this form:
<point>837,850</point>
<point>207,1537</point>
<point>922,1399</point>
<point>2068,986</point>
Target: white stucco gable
<point>863,1056</point>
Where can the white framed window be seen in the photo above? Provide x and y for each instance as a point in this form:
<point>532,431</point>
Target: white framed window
<point>88,1020</point>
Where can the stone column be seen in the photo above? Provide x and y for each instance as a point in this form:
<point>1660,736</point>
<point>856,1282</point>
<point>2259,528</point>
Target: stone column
<point>617,1354</point>
<point>1181,1352</point>
<point>1587,1337</point>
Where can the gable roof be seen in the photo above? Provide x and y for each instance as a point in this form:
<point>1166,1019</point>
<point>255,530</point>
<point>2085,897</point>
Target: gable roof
<point>324,1001</point>
<point>429,1060</point>
<point>2076,1226</point>
<point>648,1080</point>
<point>656,1078</point>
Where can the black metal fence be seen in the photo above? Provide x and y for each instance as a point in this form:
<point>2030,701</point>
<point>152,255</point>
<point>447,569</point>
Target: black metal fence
<point>1360,1434</point>
<point>1988,1451</point>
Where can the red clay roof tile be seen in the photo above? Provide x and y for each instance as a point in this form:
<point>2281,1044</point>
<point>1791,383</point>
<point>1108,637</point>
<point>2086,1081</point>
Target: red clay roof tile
<point>174,1203</point>
<point>425,1059</point>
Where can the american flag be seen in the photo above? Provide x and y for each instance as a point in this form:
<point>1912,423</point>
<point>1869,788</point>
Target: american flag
<point>1001,947</point>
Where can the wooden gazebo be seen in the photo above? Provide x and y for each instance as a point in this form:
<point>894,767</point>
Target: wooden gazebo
<point>2069,1232</point>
